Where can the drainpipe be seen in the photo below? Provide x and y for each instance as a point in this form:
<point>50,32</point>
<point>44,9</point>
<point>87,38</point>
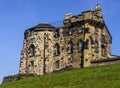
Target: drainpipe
<point>82,60</point>
<point>26,62</point>
<point>44,54</point>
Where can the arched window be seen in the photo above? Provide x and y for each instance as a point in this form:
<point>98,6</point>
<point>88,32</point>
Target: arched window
<point>80,45</point>
<point>70,47</point>
<point>96,46</point>
<point>32,50</point>
<point>57,49</point>
<point>80,29</point>
<point>70,31</point>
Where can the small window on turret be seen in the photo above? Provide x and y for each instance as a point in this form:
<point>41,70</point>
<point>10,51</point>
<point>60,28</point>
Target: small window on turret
<point>32,50</point>
<point>32,34</point>
<point>96,47</point>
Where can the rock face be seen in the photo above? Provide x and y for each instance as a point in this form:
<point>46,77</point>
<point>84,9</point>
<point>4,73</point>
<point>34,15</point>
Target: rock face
<point>81,40</point>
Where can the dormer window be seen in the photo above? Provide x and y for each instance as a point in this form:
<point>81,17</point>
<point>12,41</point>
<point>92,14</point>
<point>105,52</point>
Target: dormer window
<point>70,31</point>
<point>80,29</point>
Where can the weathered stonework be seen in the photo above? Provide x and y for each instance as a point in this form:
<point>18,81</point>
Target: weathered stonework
<point>82,41</point>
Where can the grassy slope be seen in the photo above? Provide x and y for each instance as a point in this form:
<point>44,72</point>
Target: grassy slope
<point>94,77</point>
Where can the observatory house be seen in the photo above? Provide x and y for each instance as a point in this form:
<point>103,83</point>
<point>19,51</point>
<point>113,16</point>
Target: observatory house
<point>82,41</point>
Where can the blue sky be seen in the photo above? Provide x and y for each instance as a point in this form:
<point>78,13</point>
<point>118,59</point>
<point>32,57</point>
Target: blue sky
<point>18,15</point>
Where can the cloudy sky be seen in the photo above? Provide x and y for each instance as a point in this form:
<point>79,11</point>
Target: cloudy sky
<point>18,15</point>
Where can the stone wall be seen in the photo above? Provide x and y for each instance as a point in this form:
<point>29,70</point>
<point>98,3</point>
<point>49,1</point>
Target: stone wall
<point>105,61</point>
<point>42,42</point>
<point>82,39</point>
<point>16,77</point>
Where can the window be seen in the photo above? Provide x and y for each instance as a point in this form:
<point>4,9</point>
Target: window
<point>57,64</point>
<point>32,50</point>
<point>103,50</point>
<point>80,45</point>
<point>70,47</point>
<point>32,34</point>
<point>80,29</point>
<point>56,34</point>
<point>57,50</point>
<point>96,47</point>
<point>70,31</point>
<point>32,63</point>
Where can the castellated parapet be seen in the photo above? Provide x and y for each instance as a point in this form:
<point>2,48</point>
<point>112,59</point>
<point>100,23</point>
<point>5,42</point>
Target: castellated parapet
<point>84,40</point>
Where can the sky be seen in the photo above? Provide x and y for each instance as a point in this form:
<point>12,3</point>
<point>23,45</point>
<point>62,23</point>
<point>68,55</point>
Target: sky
<point>18,15</point>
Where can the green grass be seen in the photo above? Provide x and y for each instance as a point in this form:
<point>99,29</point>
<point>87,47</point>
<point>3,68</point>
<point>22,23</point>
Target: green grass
<point>94,77</point>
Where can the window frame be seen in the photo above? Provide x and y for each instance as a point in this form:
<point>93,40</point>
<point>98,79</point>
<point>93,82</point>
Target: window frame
<point>80,46</point>
<point>57,64</point>
<point>57,34</point>
<point>80,29</point>
<point>32,50</point>
<point>57,49</point>
<point>70,48</point>
<point>70,31</point>
<point>32,33</point>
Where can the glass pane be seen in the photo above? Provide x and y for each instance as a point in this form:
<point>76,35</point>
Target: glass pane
<point>32,34</point>
<point>80,46</point>
<point>80,30</point>
<point>70,31</point>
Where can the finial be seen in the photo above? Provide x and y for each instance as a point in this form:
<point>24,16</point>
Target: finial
<point>98,7</point>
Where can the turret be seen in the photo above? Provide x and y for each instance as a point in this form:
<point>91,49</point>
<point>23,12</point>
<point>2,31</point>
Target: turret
<point>98,10</point>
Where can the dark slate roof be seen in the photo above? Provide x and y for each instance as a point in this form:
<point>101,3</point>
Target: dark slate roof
<point>44,25</point>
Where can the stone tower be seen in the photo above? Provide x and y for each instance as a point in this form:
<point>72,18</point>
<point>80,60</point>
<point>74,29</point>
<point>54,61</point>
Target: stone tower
<point>82,40</point>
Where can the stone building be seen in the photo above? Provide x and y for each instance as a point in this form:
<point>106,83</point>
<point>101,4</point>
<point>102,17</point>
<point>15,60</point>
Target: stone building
<point>82,41</point>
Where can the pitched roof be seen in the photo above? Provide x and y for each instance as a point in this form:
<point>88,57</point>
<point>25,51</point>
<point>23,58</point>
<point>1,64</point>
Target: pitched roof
<point>44,25</point>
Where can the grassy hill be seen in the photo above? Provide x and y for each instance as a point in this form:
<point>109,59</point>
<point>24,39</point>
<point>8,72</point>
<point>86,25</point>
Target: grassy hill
<point>94,77</point>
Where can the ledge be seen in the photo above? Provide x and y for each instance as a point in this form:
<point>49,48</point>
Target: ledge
<point>105,60</point>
